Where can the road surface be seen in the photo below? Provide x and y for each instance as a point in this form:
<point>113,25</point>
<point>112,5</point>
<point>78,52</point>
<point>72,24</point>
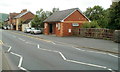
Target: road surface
<point>30,53</point>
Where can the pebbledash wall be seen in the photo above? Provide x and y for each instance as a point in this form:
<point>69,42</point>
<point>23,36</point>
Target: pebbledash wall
<point>65,27</point>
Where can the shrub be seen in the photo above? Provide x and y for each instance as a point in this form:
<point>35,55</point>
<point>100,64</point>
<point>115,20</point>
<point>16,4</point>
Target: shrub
<point>92,24</point>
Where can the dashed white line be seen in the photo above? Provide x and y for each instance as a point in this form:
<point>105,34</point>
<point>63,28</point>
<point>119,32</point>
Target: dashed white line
<point>38,46</point>
<point>98,52</point>
<point>30,43</point>
<point>65,59</point>
<point>113,55</point>
<point>21,39</point>
<point>53,43</point>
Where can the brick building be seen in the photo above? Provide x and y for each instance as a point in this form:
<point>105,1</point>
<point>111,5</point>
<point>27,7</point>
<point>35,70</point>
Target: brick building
<point>11,21</point>
<point>15,20</point>
<point>22,17</point>
<point>61,23</point>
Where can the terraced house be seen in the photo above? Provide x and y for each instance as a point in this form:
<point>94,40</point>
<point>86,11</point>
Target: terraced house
<point>62,23</point>
<point>16,20</point>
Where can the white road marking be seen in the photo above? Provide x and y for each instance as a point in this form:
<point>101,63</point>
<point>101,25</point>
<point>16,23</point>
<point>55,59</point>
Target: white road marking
<point>98,52</point>
<point>62,56</point>
<point>87,64</point>
<point>113,55</point>
<point>9,49</point>
<point>30,43</point>
<point>53,43</point>
<point>78,62</point>
<point>38,46</point>
<point>20,61</point>
<point>80,49</point>
<point>21,39</point>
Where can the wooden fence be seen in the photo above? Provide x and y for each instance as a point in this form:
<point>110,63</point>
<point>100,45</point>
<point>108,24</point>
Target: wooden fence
<point>94,33</point>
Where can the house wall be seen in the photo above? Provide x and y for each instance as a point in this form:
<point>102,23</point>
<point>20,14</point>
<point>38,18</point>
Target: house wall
<point>76,16</point>
<point>66,26</point>
<point>24,26</point>
<point>23,18</point>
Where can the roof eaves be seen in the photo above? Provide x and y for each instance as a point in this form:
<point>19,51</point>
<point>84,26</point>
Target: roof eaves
<point>73,12</point>
<point>22,14</point>
<point>84,15</point>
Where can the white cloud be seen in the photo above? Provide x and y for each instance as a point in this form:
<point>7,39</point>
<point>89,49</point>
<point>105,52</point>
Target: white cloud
<point>7,6</point>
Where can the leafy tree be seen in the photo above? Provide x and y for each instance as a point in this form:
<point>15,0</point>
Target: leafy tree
<point>92,24</point>
<point>55,10</point>
<point>35,22</point>
<point>97,13</point>
<point>114,16</point>
<point>41,16</point>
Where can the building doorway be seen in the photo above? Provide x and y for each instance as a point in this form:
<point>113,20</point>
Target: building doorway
<point>50,29</point>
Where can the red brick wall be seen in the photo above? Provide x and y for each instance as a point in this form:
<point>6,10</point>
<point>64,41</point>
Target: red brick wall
<point>27,16</point>
<point>46,29</point>
<point>76,16</point>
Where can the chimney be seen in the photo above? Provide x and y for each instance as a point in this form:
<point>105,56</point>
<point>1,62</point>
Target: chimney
<point>24,10</point>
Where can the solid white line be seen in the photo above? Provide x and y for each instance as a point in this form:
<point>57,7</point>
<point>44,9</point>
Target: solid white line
<point>87,64</point>
<point>62,56</point>
<point>9,49</point>
<point>21,58</point>
<point>20,61</point>
<point>65,59</point>
<point>23,69</point>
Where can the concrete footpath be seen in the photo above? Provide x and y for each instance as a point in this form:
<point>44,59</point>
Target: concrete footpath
<point>80,42</point>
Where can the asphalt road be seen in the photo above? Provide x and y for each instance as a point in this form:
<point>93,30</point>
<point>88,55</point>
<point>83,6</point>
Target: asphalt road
<point>29,53</point>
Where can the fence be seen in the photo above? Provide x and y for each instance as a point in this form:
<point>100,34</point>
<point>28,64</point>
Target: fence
<point>94,33</point>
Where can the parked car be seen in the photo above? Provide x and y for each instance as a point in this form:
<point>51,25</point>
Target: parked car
<point>36,31</point>
<point>27,30</point>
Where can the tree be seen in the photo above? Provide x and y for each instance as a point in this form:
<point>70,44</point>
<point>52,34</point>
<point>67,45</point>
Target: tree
<point>55,10</point>
<point>92,24</point>
<point>40,16</point>
<point>114,16</point>
<point>35,22</point>
<point>97,13</point>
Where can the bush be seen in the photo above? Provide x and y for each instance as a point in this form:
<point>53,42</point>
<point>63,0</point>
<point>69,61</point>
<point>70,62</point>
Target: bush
<point>92,24</point>
<point>86,25</point>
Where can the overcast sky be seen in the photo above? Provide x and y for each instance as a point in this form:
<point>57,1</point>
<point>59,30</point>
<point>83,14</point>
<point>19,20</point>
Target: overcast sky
<point>7,6</point>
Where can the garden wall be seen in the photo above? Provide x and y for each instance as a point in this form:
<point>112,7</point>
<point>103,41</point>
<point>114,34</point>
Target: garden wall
<point>99,33</point>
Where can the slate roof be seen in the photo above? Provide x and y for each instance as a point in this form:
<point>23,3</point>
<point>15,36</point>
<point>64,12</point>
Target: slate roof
<point>21,14</point>
<point>61,15</point>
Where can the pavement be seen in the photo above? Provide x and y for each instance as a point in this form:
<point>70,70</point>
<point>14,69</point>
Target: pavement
<point>80,42</point>
<point>41,52</point>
